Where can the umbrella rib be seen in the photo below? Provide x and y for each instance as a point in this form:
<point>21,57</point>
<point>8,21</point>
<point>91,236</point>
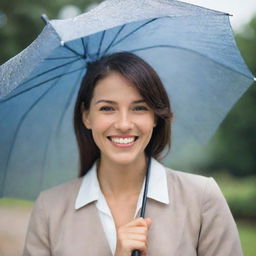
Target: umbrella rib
<point>170,46</point>
<point>133,31</point>
<point>68,103</point>
<point>72,50</point>
<point>61,58</point>
<point>42,172</point>
<point>113,40</point>
<point>84,45</point>
<point>101,40</point>
<point>17,131</point>
<point>37,85</point>
<point>50,70</point>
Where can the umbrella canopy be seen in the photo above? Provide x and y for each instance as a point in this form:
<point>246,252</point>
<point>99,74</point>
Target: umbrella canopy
<point>191,48</point>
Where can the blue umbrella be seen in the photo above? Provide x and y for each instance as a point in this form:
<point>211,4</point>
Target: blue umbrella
<point>191,48</point>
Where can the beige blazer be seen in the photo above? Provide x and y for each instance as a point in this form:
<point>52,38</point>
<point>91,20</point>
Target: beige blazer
<point>197,221</point>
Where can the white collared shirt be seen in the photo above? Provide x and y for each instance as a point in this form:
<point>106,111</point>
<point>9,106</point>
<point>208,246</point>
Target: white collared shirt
<point>90,191</point>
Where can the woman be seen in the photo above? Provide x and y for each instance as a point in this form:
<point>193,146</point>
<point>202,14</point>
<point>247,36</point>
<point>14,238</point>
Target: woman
<point>122,117</point>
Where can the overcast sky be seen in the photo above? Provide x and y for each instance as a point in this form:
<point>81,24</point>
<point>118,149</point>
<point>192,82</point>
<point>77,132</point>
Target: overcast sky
<point>242,10</point>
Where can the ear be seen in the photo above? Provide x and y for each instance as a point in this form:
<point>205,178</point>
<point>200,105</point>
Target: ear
<point>86,119</point>
<point>155,121</point>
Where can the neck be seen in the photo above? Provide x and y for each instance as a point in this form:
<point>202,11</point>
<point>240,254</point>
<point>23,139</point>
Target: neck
<point>118,180</point>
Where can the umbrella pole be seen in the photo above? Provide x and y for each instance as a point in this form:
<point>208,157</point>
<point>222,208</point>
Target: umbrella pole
<point>144,201</point>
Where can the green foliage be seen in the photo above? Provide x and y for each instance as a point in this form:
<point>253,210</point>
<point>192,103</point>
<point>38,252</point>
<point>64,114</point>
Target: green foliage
<point>240,194</point>
<point>10,202</point>
<point>246,41</point>
<point>247,232</point>
<point>24,22</point>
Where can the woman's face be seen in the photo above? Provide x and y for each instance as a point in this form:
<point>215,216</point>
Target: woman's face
<point>121,121</point>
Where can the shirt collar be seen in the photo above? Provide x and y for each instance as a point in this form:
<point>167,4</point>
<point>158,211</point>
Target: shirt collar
<point>89,190</point>
<point>157,188</point>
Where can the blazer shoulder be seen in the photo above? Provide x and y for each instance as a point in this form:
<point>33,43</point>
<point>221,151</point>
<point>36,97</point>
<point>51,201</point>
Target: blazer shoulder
<point>60,195</point>
<point>187,179</point>
<point>192,188</point>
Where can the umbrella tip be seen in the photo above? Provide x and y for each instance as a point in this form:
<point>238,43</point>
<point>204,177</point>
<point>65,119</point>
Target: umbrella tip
<point>254,79</point>
<point>45,18</point>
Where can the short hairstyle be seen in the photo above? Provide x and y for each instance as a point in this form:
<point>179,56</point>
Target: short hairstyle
<point>146,81</point>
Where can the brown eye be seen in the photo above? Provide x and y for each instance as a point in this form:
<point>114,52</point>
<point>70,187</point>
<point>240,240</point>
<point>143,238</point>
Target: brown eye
<point>106,108</point>
<point>140,108</point>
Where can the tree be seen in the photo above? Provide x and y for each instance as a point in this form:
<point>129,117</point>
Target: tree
<point>23,22</point>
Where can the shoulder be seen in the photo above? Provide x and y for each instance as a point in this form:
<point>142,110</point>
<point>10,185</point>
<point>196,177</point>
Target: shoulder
<point>193,187</point>
<point>59,196</point>
<point>65,187</point>
<point>184,179</point>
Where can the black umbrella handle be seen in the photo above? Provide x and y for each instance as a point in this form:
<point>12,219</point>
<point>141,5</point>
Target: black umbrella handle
<point>136,253</point>
<point>144,201</point>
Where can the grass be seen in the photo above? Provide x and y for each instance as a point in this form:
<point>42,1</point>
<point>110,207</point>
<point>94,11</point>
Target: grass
<point>236,187</point>
<point>240,194</point>
<point>247,232</point>
<point>10,202</point>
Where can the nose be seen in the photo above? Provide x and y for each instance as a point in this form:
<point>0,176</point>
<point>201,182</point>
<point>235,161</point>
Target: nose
<point>124,121</point>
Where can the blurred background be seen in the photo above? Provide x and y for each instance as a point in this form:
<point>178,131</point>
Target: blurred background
<point>230,156</point>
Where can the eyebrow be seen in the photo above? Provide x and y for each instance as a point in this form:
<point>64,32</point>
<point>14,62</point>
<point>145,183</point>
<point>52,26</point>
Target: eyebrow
<point>115,103</point>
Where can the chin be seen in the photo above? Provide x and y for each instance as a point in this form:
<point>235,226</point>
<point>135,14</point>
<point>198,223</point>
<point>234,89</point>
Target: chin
<point>125,158</point>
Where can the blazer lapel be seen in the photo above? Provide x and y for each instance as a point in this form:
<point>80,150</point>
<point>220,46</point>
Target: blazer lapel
<point>84,234</point>
<point>97,240</point>
<point>167,228</point>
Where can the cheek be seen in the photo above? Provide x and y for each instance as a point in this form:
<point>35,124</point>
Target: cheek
<point>146,125</point>
<point>100,126</point>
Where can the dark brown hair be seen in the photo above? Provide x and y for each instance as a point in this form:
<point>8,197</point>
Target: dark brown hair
<point>150,87</point>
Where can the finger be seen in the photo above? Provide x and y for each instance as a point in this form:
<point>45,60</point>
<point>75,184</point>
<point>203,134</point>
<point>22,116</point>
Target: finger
<point>134,230</point>
<point>136,222</point>
<point>140,246</point>
<point>132,245</point>
<point>134,237</point>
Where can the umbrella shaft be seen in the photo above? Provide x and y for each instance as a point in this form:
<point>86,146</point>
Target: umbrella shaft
<point>136,253</point>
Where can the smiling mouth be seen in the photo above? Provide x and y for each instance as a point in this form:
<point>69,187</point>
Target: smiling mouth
<point>123,140</point>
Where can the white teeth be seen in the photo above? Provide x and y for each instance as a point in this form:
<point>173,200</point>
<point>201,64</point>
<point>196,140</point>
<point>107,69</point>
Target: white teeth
<point>123,140</point>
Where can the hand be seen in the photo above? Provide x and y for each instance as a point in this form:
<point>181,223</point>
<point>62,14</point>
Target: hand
<point>133,236</point>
